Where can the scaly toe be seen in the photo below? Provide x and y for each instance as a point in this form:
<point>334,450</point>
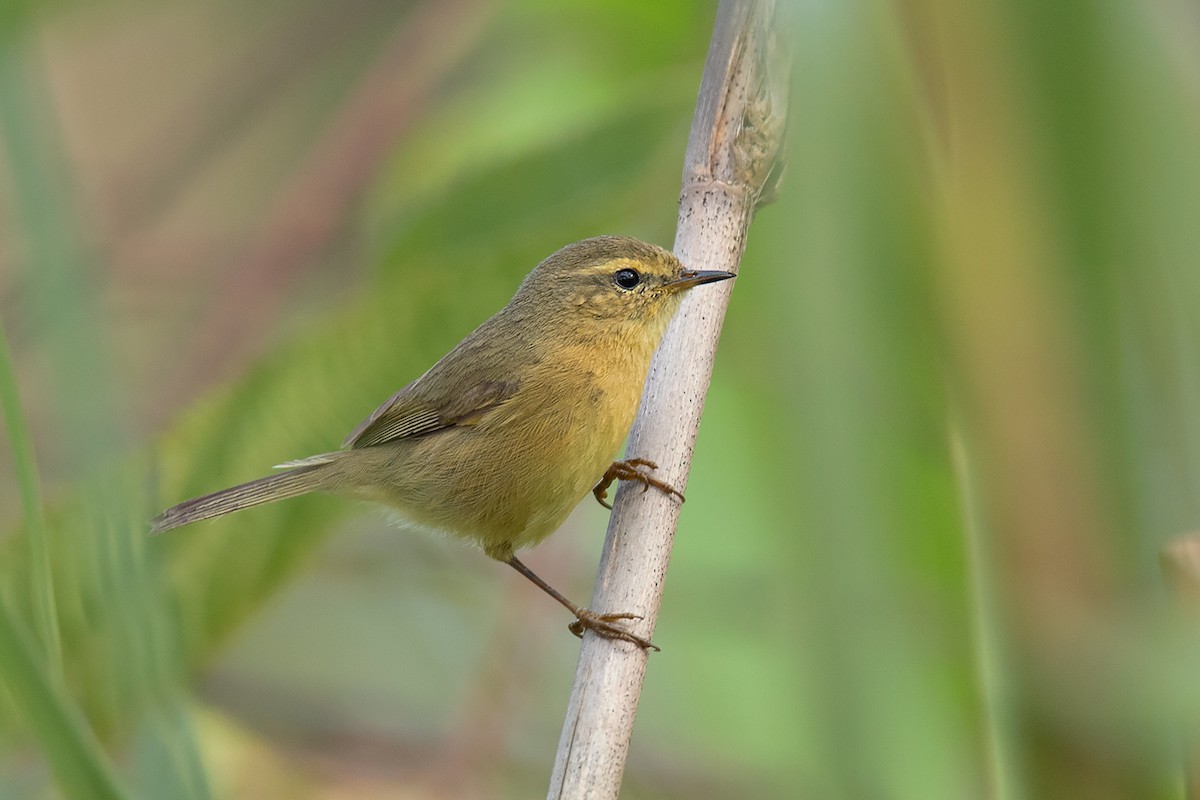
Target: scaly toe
<point>606,625</point>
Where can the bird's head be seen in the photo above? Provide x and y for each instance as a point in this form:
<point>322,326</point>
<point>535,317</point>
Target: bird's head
<point>614,281</point>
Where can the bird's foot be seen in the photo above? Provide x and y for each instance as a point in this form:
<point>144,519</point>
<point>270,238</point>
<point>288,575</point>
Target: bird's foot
<point>606,625</point>
<point>629,470</point>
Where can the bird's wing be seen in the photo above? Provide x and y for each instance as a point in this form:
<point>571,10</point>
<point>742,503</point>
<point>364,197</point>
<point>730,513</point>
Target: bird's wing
<point>409,413</point>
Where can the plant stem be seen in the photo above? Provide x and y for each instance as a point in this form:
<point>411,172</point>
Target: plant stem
<point>732,163</point>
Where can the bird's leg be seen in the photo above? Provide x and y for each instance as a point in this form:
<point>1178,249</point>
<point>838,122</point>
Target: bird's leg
<point>628,471</point>
<point>603,624</point>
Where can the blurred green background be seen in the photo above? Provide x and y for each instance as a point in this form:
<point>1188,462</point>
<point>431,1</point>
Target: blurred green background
<point>955,415</point>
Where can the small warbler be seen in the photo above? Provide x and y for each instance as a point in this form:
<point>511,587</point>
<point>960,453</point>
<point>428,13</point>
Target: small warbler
<point>500,439</point>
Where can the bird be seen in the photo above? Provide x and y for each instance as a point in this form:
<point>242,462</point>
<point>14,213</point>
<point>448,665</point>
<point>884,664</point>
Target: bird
<point>500,439</point>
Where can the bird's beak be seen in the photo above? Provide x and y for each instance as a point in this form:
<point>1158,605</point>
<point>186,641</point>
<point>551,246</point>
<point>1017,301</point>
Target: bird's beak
<point>689,278</point>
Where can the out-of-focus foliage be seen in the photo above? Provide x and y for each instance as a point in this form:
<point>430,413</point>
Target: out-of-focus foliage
<point>952,423</point>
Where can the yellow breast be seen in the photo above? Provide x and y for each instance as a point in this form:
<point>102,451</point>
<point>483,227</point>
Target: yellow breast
<point>510,480</point>
<point>572,423</point>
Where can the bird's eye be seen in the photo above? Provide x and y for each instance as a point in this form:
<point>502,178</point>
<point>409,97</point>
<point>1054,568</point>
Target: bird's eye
<point>627,278</point>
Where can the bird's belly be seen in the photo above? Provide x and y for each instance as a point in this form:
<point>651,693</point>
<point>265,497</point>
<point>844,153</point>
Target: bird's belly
<point>508,482</point>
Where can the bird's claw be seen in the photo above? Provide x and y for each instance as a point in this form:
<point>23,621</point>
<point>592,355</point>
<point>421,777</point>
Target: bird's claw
<point>628,471</point>
<point>606,625</point>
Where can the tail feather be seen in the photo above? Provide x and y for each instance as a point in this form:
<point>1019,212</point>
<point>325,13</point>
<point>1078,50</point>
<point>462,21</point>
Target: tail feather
<point>292,483</point>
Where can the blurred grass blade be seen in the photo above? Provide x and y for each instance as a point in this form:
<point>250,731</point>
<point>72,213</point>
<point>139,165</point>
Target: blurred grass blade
<point>106,589</point>
<point>81,768</point>
<point>41,581</point>
<point>62,280</point>
<point>1000,753</point>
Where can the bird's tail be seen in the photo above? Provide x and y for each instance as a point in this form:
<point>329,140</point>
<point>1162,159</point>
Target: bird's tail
<point>312,476</point>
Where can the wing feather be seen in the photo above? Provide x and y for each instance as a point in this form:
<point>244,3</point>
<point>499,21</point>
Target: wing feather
<point>407,414</point>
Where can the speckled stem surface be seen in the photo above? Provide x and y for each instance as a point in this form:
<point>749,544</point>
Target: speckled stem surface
<point>732,166</point>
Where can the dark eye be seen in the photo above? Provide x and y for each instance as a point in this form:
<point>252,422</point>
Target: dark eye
<point>627,278</point>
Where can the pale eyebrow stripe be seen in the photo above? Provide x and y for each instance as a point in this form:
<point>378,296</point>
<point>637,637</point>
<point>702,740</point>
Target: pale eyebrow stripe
<point>612,265</point>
